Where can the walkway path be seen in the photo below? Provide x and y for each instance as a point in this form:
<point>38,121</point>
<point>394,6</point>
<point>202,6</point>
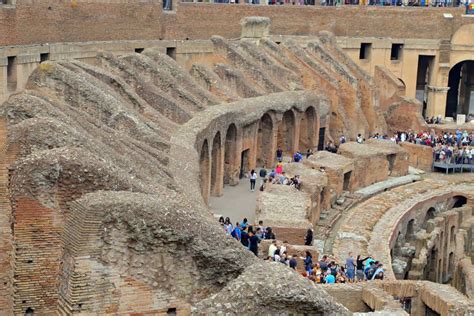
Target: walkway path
<point>237,202</point>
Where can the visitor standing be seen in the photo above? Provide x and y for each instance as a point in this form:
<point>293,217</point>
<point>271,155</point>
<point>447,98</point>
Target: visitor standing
<point>253,243</point>
<point>350,267</point>
<point>253,180</point>
<point>279,154</point>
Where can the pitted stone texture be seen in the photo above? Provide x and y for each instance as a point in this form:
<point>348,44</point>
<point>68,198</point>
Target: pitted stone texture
<point>284,206</point>
<point>260,288</point>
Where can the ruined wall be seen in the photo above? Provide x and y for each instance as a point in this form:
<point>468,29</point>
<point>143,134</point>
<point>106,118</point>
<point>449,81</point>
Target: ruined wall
<point>420,156</point>
<point>36,21</point>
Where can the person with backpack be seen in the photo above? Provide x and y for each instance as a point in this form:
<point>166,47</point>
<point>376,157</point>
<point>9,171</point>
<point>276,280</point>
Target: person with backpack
<point>236,233</point>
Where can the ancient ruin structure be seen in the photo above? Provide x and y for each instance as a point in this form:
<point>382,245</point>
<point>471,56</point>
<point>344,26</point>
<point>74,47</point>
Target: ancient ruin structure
<point>118,126</point>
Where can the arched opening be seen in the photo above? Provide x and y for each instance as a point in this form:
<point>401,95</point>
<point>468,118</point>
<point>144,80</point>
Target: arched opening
<point>460,99</point>
<point>286,132</point>
<point>459,201</point>
<point>452,234</point>
<point>29,311</point>
<point>265,141</point>
<point>410,230</point>
<point>204,166</point>
<point>451,263</point>
<point>308,130</point>
<point>430,214</point>
<point>216,166</point>
<point>231,168</point>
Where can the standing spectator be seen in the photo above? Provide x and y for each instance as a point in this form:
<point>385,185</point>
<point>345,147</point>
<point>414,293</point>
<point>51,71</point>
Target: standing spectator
<point>253,243</point>
<point>293,262</point>
<point>253,180</point>
<point>350,267</point>
<point>360,268</point>
<point>236,233</point>
<point>279,154</point>
<point>272,249</point>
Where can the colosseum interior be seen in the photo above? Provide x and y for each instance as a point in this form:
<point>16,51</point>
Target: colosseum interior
<point>122,122</point>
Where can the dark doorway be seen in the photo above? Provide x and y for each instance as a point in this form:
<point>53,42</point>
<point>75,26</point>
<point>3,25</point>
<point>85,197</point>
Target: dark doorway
<point>11,73</point>
<point>459,201</point>
<point>461,87</point>
<point>171,51</point>
<point>265,141</point>
<point>322,131</point>
<point>423,76</point>
<point>44,57</point>
<point>391,162</point>
<point>244,162</point>
<point>347,181</point>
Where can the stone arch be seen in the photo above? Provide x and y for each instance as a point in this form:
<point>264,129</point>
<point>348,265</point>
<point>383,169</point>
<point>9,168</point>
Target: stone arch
<point>461,86</point>
<point>452,233</point>
<point>308,129</point>
<point>231,168</point>
<point>204,168</point>
<point>459,201</point>
<point>265,141</point>
<point>410,235</point>
<point>451,262</point>
<point>216,166</point>
<point>286,132</point>
<point>463,36</point>
<point>430,214</point>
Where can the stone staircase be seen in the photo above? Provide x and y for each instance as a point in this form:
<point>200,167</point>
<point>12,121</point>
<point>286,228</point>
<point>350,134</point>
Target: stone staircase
<point>329,220</point>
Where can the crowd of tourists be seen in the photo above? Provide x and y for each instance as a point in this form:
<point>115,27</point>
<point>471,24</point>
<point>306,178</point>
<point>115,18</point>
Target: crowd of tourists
<point>322,271</point>
<point>448,147</point>
<point>249,236</point>
<point>277,175</point>
<point>421,3</point>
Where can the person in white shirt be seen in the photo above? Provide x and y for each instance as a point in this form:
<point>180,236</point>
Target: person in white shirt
<point>271,249</point>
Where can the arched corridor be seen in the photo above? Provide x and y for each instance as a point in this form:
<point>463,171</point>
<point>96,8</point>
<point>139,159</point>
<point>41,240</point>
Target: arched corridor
<point>204,168</point>
<point>460,99</point>
<point>265,141</point>
<point>308,130</point>
<point>231,166</point>
<point>286,132</point>
<point>216,166</point>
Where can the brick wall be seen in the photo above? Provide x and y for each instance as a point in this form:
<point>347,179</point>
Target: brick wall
<point>50,21</point>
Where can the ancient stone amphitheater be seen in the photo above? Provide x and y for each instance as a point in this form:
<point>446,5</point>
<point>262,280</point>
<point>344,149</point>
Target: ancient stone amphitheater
<point>108,164</point>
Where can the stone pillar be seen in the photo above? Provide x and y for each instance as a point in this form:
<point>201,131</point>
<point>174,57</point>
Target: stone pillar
<point>436,101</point>
<point>297,131</point>
<point>255,27</point>
<point>253,146</point>
<point>438,91</point>
<point>219,185</point>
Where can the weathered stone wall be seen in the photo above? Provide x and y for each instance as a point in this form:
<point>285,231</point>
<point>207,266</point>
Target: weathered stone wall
<point>35,22</point>
<point>420,156</point>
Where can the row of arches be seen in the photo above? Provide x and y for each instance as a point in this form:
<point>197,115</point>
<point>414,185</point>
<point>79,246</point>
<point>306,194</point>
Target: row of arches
<point>225,158</point>
<point>440,259</point>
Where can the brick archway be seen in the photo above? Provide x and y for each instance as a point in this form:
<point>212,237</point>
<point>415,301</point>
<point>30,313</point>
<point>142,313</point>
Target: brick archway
<point>231,167</point>
<point>286,132</point>
<point>204,164</point>
<point>216,166</point>
<point>307,139</point>
<point>265,141</point>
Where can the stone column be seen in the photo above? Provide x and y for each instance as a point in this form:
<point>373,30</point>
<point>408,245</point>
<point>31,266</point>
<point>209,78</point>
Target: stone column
<point>297,131</point>
<point>436,101</point>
